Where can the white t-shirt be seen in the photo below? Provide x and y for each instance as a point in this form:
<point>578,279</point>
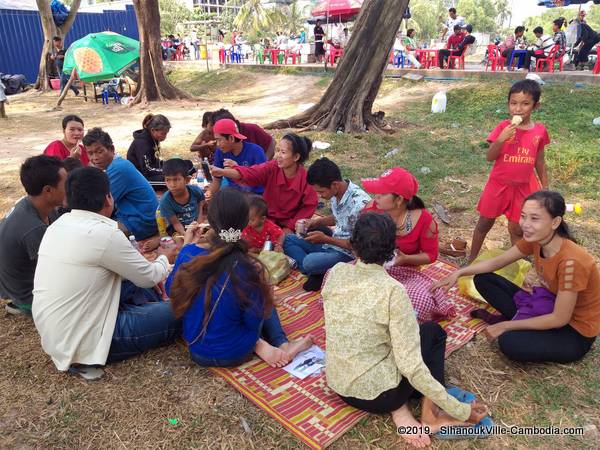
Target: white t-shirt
<point>82,260</point>
<point>451,23</point>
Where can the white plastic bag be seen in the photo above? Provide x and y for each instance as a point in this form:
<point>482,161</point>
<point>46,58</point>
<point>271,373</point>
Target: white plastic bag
<point>438,104</point>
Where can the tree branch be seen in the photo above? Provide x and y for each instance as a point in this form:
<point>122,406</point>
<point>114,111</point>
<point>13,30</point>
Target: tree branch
<point>65,27</point>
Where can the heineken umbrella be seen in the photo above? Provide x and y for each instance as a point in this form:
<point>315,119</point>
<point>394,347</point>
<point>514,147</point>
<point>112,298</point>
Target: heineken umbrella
<point>101,56</point>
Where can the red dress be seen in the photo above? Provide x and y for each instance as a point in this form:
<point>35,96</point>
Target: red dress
<point>512,177</point>
<point>423,238</point>
<point>60,151</point>
<point>256,239</point>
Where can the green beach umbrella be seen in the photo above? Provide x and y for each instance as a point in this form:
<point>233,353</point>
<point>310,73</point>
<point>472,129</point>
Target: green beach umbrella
<point>101,56</point>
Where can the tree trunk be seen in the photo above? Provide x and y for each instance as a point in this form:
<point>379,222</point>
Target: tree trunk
<point>50,30</point>
<point>153,84</point>
<point>348,101</point>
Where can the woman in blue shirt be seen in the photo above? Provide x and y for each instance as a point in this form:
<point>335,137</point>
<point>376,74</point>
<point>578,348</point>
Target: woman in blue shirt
<point>223,296</point>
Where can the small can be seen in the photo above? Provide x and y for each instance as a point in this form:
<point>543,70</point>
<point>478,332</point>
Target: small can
<point>301,228</point>
<point>268,247</point>
<point>167,242</point>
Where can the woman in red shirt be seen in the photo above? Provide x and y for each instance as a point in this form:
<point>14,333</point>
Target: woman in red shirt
<point>416,240</point>
<point>287,193</point>
<point>70,145</point>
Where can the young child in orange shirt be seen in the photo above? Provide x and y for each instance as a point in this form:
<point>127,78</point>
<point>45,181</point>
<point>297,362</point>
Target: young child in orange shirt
<point>517,147</point>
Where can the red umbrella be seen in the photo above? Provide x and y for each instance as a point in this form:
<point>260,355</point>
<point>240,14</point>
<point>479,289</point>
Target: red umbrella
<point>337,8</point>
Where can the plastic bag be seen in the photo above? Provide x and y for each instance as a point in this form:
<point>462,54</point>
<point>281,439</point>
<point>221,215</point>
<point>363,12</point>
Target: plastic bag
<point>514,272</point>
<point>277,265</point>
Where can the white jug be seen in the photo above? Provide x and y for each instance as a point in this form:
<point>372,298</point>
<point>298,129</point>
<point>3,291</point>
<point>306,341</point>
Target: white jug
<point>438,104</point>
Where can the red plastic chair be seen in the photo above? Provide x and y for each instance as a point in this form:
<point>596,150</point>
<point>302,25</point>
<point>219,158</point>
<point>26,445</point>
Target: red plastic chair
<point>335,53</point>
<point>179,52</point>
<point>290,54</point>
<point>495,58</point>
<point>550,60</point>
<point>458,58</point>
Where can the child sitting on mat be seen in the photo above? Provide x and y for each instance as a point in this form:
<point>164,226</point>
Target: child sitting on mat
<point>182,204</point>
<point>517,147</point>
<point>260,229</point>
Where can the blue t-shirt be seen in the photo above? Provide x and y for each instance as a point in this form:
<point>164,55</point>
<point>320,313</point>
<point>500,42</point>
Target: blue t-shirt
<point>187,213</point>
<point>232,332</point>
<point>135,200</point>
<point>250,155</point>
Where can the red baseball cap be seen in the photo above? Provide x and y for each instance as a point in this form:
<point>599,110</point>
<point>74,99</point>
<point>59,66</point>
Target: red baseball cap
<point>397,181</point>
<point>227,126</point>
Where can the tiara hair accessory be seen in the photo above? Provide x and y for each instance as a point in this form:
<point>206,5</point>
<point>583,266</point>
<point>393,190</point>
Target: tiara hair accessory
<point>230,235</point>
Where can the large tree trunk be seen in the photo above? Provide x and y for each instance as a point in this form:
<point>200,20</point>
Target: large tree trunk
<point>347,103</point>
<point>50,30</point>
<point>153,84</point>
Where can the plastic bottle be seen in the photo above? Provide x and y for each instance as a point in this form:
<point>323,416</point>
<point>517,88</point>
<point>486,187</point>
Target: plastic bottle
<point>134,243</point>
<point>161,223</point>
<point>574,207</point>
<point>438,104</point>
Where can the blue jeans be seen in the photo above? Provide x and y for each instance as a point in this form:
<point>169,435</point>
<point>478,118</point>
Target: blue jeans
<point>270,330</point>
<point>64,79</point>
<point>142,327</point>
<point>312,259</point>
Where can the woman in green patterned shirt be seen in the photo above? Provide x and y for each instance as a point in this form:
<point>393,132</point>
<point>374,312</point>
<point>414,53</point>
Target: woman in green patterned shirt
<point>378,357</point>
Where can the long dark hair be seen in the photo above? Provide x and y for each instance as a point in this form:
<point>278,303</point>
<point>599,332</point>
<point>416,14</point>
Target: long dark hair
<point>554,203</point>
<point>415,203</point>
<point>228,210</point>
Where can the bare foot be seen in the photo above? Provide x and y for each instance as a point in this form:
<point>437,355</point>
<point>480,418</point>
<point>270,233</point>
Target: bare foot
<point>273,356</point>
<point>435,418</point>
<point>409,428</point>
<point>296,346</point>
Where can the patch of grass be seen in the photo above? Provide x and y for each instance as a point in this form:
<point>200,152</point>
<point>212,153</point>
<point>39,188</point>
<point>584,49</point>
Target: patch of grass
<point>206,83</point>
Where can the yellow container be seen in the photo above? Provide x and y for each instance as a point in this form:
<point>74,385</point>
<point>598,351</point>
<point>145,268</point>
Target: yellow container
<point>203,51</point>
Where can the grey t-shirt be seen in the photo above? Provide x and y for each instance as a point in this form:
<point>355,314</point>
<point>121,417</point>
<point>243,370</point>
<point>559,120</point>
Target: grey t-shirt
<point>21,233</point>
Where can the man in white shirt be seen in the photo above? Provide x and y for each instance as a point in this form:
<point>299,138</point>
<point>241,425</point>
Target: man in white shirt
<point>452,20</point>
<point>83,259</point>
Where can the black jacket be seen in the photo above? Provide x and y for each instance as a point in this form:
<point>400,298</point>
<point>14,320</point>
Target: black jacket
<point>144,154</point>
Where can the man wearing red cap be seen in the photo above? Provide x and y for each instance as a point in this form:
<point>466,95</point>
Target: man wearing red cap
<point>234,150</point>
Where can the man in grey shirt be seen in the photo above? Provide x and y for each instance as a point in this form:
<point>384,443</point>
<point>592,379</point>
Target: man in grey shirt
<point>21,231</point>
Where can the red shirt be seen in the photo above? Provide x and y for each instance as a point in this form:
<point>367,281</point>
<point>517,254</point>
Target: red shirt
<point>421,238</point>
<point>255,134</point>
<point>256,239</point>
<point>60,151</point>
<point>454,40</point>
<point>517,158</point>
<point>288,199</point>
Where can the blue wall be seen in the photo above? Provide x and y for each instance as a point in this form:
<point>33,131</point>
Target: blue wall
<point>22,39</point>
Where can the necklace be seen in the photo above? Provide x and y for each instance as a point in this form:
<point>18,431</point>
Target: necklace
<point>406,225</point>
<point>69,147</point>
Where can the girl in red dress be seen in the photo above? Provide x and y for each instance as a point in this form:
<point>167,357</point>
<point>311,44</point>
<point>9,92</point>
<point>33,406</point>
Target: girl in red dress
<point>416,240</point>
<point>517,149</point>
<point>70,145</point>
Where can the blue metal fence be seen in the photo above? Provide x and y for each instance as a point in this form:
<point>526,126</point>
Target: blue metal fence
<point>22,39</point>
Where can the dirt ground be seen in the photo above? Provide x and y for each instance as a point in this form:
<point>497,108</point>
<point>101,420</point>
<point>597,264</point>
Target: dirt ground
<point>131,405</point>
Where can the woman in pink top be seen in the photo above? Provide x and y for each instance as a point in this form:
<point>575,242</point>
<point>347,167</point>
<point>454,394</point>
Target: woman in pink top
<point>70,145</point>
<point>416,240</point>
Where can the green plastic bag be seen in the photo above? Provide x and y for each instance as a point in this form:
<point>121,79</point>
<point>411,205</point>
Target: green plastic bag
<point>514,272</point>
<point>277,264</point>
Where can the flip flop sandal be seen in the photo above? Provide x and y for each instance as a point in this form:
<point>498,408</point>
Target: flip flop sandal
<point>450,249</point>
<point>480,430</point>
<point>483,429</point>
